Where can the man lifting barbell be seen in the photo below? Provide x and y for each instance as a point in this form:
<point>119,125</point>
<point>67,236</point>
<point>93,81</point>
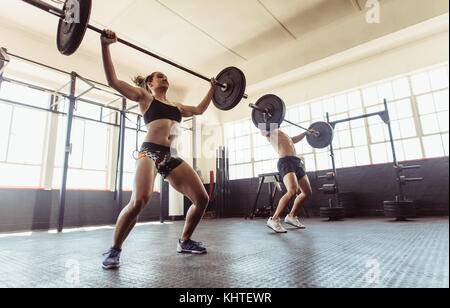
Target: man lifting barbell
<point>293,173</point>
<point>156,155</point>
<point>268,114</point>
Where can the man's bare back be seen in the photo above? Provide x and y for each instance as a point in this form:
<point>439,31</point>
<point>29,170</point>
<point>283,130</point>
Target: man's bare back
<point>281,143</point>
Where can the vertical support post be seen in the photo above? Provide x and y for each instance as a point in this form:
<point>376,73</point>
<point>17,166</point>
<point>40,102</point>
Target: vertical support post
<point>333,162</point>
<point>67,148</point>
<point>224,184</point>
<point>194,144</point>
<point>401,195</point>
<point>227,178</point>
<point>162,191</point>
<point>219,183</point>
<point>121,154</point>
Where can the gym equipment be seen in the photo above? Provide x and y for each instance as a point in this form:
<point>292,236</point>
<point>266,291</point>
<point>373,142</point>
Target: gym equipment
<point>400,208</point>
<point>74,21</point>
<point>328,189</point>
<point>332,213</point>
<point>275,184</point>
<point>348,202</point>
<point>269,111</point>
<point>328,176</point>
<point>223,187</point>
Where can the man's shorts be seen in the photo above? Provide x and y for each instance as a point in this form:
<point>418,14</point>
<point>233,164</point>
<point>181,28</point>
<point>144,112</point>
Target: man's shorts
<point>291,164</point>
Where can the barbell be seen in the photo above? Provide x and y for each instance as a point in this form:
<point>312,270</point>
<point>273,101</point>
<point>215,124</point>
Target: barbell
<point>74,21</point>
<point>269,112</point>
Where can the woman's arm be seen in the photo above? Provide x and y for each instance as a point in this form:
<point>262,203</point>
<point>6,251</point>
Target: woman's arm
<point>132,93</point>
<point>189,111</point>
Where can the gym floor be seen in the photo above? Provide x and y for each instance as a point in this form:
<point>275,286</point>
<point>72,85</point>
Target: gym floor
<point>357,253</point>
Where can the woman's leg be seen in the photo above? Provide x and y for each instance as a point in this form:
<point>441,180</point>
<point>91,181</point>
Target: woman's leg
<point>290,181</point>
<point>186,181</point>
<point>306,191</point>
<point>142,192</point>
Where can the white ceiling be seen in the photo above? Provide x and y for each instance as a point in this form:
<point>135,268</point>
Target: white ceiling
<point>192,33</point>
<point>203,35</point>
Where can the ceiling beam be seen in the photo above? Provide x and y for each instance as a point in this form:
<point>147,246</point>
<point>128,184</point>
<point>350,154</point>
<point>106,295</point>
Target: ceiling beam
<point>356,5</point>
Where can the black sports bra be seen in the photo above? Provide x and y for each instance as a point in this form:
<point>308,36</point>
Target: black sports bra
<point>159,110</point>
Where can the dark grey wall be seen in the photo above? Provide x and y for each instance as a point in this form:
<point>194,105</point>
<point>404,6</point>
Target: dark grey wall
<point>23,210</point>
<point>371,185</point>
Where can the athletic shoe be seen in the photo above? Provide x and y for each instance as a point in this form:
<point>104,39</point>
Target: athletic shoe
<point>294,221</point>
<point>190,246</point>
<point>112,259</point>
<point>276,226</point>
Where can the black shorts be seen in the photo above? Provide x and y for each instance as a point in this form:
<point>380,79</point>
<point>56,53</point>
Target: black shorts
<point>291,164</point>
<point>165,158</point>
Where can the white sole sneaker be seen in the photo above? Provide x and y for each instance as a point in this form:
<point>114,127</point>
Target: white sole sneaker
<point>302,228</point>
<point>268,226</point>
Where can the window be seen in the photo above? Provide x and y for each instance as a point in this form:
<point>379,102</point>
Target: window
<point>88,161</point>
<point>21,148</point>
<point>418,106</point>
<point>23,94</point>
<point>238,138</point>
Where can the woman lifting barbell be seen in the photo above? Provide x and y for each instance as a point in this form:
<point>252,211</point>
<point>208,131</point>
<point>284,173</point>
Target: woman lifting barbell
<point>156,155</point>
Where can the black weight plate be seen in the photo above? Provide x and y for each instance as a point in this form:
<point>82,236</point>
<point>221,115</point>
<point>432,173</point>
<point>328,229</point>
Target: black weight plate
<point>70,34</point>
<point>400,209</point>
<point>275,106</point>
<point>227,99</point>
<point>332,212</point>
<point>400,202</point>
<point>324,139</point>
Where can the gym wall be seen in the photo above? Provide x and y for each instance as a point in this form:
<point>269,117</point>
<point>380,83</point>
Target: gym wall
<point>38,209</point>
<point>371,186</point>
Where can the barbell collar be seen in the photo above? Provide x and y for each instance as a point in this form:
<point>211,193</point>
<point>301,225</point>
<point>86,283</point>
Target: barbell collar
<point>46,7</point>
<point>258,108</point>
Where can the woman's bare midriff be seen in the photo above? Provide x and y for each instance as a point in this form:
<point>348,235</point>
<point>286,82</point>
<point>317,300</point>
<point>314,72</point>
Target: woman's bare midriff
<point>162,132</point>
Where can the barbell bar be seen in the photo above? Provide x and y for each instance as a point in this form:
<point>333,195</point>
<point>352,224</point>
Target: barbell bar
<point>270,110</point>
<point>70,35</point>
<point>268,114</point>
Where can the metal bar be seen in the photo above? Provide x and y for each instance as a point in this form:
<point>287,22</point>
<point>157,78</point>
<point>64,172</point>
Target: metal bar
<point>333,162</point>
<point>61,14</point>
<point>298,126</point>
<point>394,155</point>
<point>91,85</point>
<point>59,93</point>
<point>46,7</point>
<point>258,108</point>
<point>140,49</point>
<point>62,71</point>
<point>121,155</point>
<point>357,117</point>
<point>62,195</point>
<point>161,201</point>
<point>57,112</point>
<point>194,143</point>
<point>261,182</point>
